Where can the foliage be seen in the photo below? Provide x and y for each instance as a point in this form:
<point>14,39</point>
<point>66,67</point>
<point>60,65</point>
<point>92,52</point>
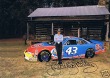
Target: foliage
<point>13,13</point>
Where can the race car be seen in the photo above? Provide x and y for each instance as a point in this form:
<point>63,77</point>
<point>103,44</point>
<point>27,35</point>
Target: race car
<point>73,47</point>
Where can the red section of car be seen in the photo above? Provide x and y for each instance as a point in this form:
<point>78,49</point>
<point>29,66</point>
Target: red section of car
<point>38,49</point>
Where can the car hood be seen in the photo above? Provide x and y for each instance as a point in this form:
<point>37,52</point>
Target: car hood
<point>42,44</point>
<point>33,48</point>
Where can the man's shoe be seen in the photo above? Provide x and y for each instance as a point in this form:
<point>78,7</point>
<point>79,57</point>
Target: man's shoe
<point>60,62</point>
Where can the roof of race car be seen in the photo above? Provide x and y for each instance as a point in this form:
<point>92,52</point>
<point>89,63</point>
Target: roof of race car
<point>71,38</point>
<point>74,38</point>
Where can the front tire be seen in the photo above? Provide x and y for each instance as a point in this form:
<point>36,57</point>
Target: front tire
<point>90,53</point>
<point>44,56</point>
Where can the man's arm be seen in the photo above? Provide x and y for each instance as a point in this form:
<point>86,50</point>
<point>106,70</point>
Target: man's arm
<point>55,38</point>
<point>60,39</point>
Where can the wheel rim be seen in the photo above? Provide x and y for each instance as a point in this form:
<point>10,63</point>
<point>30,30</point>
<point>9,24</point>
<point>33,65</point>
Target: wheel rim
<point>90,53</point>
<point>45,56</point>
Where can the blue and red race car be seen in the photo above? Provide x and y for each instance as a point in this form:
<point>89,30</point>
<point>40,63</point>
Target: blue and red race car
<point>73,47</point>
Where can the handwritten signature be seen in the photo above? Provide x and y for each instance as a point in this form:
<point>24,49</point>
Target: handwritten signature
<point>56,69</point>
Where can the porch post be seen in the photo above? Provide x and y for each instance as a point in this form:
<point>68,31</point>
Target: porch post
<point>107,31</point>
<point>78,32</point>
<point>27,31</point>
<point>52,32</point>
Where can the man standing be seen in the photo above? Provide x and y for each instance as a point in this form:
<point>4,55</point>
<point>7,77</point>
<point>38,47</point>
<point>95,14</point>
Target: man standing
<point>58,38</point>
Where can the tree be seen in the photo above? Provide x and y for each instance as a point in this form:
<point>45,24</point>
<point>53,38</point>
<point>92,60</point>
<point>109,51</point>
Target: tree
<point>13,13</point>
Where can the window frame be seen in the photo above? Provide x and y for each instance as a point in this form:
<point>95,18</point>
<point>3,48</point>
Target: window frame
<point>71,44</point>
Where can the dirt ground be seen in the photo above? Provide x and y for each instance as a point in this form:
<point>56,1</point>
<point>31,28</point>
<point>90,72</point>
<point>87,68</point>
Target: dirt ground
<point>13,65</point>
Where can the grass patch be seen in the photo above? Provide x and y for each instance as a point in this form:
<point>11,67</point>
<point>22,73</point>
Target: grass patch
<point>13,65</point>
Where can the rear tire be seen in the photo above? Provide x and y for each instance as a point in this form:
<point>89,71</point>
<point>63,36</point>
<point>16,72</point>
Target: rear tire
<point>44,56</point>
<point>90,53</point>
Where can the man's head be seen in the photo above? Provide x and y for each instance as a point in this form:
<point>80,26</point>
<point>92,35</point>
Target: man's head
<point>59,31</point>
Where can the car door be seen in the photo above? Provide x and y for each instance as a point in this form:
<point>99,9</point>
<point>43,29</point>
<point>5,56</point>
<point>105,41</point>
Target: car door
<point>75,48</point>
<point>70,49</point>
<point>83,46</point>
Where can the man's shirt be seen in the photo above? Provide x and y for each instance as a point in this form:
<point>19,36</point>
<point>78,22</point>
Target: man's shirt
<point>58,38</point>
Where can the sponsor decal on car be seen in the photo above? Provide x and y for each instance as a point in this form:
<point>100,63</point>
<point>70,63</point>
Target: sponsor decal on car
<point>29,56</point>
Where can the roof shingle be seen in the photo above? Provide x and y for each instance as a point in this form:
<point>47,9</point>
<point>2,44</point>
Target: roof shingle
<point>70,11</point>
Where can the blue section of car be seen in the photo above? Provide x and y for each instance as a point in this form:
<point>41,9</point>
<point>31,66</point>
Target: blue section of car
<point>75,47</point>
<point>98,42</point>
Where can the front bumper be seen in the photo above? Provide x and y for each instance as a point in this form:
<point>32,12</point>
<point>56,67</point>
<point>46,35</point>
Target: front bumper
<point>29,56</point>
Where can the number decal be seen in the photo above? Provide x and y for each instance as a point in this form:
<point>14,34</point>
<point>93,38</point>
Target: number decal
<point>72,50</point>
<point>69,50</point>
<point>75,50</point>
